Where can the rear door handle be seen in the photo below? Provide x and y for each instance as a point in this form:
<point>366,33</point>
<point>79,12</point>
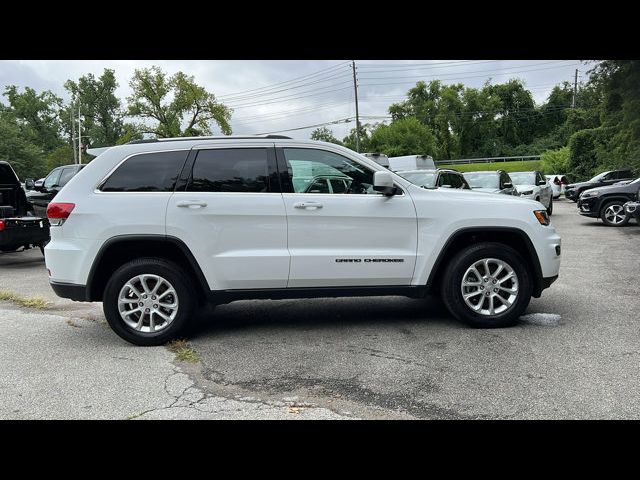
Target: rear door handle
<point>191,204</point>
<point>307,205</point>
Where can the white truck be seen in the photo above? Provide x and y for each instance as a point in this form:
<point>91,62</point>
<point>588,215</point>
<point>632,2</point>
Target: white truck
<point>153,229</point>
<point>379,158</point>
<point>411,162</point>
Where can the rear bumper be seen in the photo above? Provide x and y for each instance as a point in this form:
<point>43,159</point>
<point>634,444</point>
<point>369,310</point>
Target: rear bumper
<point>27,231</point>
<point>77,293</point>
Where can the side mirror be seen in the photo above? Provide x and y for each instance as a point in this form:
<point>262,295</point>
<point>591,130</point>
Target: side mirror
<point>383,183</point>
<point>542,182</point>
<point>29,183</point>
<point>507,185</point>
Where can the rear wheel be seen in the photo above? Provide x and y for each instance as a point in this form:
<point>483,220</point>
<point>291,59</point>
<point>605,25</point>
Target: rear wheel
<point>149,301</point>
<point>487,285</point>
<point>613,214</point>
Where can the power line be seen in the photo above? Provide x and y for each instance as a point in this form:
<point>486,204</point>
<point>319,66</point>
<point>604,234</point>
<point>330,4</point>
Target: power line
<point>286,99</point>
<point>275,85</point>
<point>341,120</point>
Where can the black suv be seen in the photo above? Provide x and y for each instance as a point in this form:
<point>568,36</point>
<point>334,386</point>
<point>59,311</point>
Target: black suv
<point>438,178</point>
<point>603,179</point>
<point>40,196</point>
<point>608,202</point>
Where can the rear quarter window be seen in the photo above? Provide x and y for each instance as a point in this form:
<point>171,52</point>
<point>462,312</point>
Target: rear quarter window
<point>147,172</point>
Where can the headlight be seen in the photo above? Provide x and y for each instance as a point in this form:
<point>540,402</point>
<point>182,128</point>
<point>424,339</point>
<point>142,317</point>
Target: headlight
<point>589,194</point>
<point>542,217</point>
<point>527,192</point>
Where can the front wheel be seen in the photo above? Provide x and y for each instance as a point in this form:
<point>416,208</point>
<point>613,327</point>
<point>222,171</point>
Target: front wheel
<point>613,214</point>
<point>149,301</point>
<point>550,208</point>
<point>487,285</point>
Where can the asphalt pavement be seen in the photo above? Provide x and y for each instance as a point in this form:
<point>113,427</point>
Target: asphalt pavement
<point>575,354</point>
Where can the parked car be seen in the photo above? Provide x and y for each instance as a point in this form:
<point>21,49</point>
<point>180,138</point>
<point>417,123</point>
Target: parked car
<point>411,162</point>
<point>632,209</point>
<point>533,185</point>
<point>19,228</point>
<point>40,196</point>
<point>607,203</point>
<point>603,179</point>
<point>497,181</point>
<point>558,184</point>
<point>438,178</point>
<point>155,228</point>
<point>328,184</point>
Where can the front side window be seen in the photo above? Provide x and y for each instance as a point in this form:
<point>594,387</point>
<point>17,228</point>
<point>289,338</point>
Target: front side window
<point>306,166</point>
<point>455,180</point>
<point>230,170</point>
<point>147,172</point>
<point>53,180</point>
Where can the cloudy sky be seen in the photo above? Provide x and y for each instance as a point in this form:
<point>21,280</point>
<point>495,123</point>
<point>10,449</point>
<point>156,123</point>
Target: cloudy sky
<point>283,96</point>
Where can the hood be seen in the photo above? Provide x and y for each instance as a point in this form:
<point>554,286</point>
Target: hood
<point>471,197</point>
<point>579,184</point>
<point>486,190</point>
<point>524,188</point>
<point>610,188</point>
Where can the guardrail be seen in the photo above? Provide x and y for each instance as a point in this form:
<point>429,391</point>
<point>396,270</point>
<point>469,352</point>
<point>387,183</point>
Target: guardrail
<point>486,160</point>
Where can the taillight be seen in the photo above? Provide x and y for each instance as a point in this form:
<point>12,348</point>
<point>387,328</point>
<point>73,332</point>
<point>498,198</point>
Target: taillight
<point>59,212</point>
<point>2,225</point>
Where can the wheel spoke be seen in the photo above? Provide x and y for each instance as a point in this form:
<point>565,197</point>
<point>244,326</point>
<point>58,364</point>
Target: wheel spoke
<point>152,324</point>
<point>487,271</point>
<point>472,284</point>
<point>472,294</point>
<point>162,315</point>
<point>168,305</point>
<point>498,270</point>
<point>140,322</point>
<point>509,290</point>
<point>507,277</point>
<point>166,292</point>
<point>159,283</point>
<point>129,312</point>
<point>492,310</point>
<point>133,289</point>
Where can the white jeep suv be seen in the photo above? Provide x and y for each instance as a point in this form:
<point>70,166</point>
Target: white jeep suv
<point>153,228</point>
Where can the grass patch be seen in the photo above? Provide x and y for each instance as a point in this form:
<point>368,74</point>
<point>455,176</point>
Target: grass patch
<point>28,302</point>
<point>524,166</point>
<point>183,352</point>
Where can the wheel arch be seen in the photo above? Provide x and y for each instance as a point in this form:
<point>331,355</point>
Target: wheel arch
<point>511,236</point>
<point>122,248</point>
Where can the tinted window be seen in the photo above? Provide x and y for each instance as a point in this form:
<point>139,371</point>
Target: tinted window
<point>148,172</point>
<point>504,178</point>
<point>455,180</point>
<point>319,185</point>
<point>305,165</point>
<point>230,170</point>
<point>338,185</point>
<point>624,174</point>
<point>7,177</point>
<point>67,174</point>
<point>52,179</point>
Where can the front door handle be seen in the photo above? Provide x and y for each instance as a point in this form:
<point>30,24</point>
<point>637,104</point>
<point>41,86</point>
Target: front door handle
<point>191,204</point>
<point>307,205</point>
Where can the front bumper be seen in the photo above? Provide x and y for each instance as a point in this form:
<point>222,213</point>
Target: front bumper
<point>632,209</point>
<point>570,194</point>
<point>588,207</point>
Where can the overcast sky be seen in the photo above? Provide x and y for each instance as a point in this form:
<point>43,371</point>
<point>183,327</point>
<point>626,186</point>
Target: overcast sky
<point>276,95</point>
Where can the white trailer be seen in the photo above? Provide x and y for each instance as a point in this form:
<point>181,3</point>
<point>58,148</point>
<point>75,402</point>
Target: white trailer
<point>411,162</point>
<point>379,158</point>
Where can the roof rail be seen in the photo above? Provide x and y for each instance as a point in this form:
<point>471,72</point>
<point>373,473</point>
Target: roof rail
<point>212,137</point>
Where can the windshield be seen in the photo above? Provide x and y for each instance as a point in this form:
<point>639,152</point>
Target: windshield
<point>483,180</point>
<point>422,179</point>
<point>637,180</point>
<point>598,177</point>
<point>523,178</point>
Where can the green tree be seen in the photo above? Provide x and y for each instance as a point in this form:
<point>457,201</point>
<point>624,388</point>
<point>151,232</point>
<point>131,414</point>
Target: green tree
<point>25,157</point>
<point>38,116</point>
<point>350,140</point>
<point>324,134</point>
<point>175,104</point>
<point>102,116</point>
<point>405,136</point>
<point>555,161</point>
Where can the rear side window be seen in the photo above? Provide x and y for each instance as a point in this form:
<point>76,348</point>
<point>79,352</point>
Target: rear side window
<point>230,170</point>
<point>67,174</point>
<point>147,172</point>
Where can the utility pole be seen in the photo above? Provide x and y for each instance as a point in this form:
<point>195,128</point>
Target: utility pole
<point>575,89</point>
<point>73,134</point>
<point>355,89</point>
<point>79,136</point>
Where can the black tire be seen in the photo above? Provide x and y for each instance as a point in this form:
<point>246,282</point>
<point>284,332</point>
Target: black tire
<point>603,211</point>
<point>174,274</point>
<point>451,285</point>
<point>550,209</point>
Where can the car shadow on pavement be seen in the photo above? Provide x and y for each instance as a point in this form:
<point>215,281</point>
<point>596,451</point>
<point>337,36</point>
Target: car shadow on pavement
<point>318,312</point>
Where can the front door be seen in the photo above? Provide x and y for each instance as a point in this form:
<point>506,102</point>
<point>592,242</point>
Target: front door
<point>349,235</point>
<point>231,215</point>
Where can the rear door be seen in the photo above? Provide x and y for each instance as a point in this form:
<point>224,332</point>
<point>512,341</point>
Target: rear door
<point>351,237</point>
<point>230,213</point>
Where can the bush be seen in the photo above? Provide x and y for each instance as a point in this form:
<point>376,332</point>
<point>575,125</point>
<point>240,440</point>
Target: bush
<point>555,161</point>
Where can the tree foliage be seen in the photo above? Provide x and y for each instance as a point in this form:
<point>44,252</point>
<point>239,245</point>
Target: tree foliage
<point>324,134</point>
<point>405,136</point>
<point>175,105</point>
